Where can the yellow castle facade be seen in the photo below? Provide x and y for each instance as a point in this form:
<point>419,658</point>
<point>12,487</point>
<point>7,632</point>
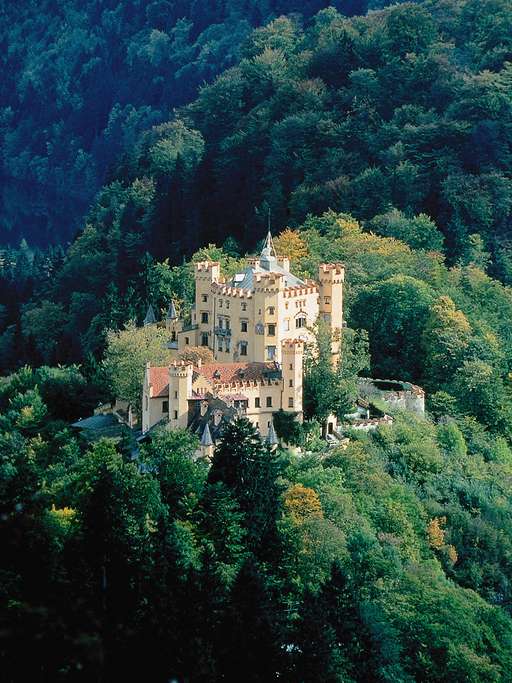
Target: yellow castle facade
<point>256,325</point>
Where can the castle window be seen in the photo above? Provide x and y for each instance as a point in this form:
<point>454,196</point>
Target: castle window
<point>204,298</point>
<point>220,303</point>
<point>165,406</point>
<point>257,402</point>
<point>147,403</point>
<point>290,402</point>
<point>243,348</point>
<point>228,345</point>
<point>271,310</point>
<point>244,305</point>
<point>228,324</point>
<point>271,352</point>
<point>175,414</point>
<point>271,330</point>
<point>173,336</point>
<point>269,401</point>
<point>227,304</point>
<point>300,321</point>
<point>327,299</point>
<point>187,342</point>
<point>290,382</point>
<point>291,366</point>
<point>204,317</point>
<point>204,339</point>
<point>243,325</point>
<point>221,346</point>
<point>175,394</point>
<point>286,324</point>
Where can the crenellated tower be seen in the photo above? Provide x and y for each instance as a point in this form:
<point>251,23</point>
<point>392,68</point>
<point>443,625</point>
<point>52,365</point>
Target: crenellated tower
<point>292,370</point>
<point>180,390</point>
<point>331,277</point>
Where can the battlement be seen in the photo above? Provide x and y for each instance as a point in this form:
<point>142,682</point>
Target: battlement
<point>181,368</point>
<point>332,273</point>
<point>235,292</point>
<point>301,290</point>
<point>268,282</point>
<point>206,265</point>
<point>292,345</point>
<point>207,270</point>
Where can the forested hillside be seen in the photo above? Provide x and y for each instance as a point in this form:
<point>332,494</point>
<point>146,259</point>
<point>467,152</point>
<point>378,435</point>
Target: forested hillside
<point>408,108</point>
<point>379,141</point>
<point>81,81</point>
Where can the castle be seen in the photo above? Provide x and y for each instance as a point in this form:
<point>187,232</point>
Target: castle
<point>256,325</point>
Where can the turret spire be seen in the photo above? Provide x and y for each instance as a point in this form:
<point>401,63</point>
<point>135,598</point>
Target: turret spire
<point>272,439</point>
<point>268,256</point>
<point>171,311</point>
<point>150,318</point>
<point>206,439</point>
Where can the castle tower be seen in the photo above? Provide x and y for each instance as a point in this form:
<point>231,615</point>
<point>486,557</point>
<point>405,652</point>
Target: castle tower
<point>292,370</point>
<point>180,390</point>
<point>268,296</point>
<point>331,277</point>
<point>205,274</point>
<point>147,394</point>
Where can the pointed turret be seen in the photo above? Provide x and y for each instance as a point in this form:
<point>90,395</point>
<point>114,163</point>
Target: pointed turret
<point>206,442</point>
<point>171,311</point>
<point>272,439</point>
<point>206,439</point>
<point>268,257</point>
<point>150,318</point>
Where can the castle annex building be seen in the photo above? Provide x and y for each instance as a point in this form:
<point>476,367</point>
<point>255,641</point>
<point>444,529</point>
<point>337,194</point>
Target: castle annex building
<point>256,325</point>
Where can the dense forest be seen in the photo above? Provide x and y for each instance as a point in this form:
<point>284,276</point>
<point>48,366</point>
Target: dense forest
<point>381,141</point>
<point>82,79</point>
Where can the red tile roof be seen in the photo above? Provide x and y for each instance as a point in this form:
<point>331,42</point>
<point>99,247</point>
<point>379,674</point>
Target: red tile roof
<point>228,373</point>
<point>234,372</point>
<point>159,378</point>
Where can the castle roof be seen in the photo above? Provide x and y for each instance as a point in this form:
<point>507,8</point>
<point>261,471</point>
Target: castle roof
<point>206,438</point>
<point>268,263</point>
<point>171,311</point>
<point>159,379</point>
<point>272,439</point>
<point>215,373</point>
<point>150,316</point>
<point>229,373</point>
